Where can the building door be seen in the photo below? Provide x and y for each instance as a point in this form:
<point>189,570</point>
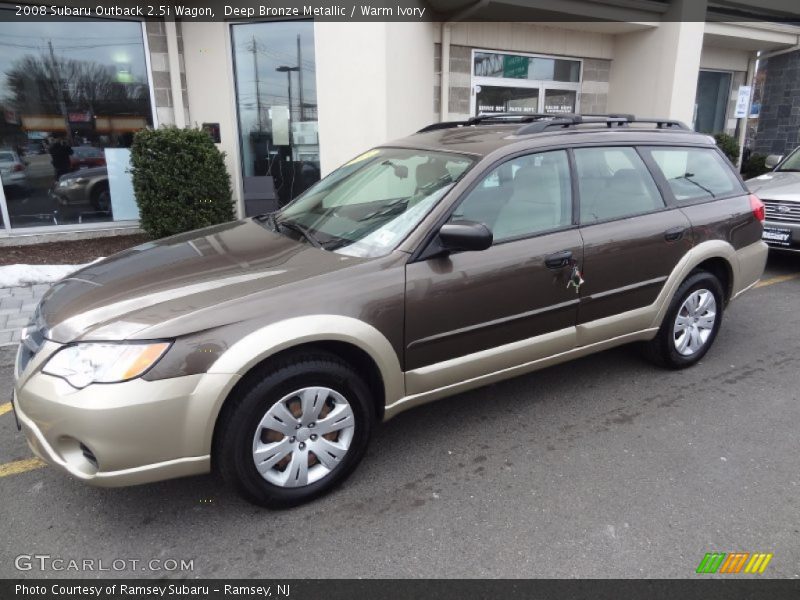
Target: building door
<point>711,101</point>
<point>276,101</point>
<point>524,84</point>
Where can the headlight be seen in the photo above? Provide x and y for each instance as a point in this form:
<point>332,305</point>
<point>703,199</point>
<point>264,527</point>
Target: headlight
<point>72,181</point>
<point>87,363</point>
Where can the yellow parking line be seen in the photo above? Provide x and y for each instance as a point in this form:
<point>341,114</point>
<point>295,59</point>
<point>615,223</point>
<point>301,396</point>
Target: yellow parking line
<point>20,466</point>
<point>779,279</point>
<point>4,408</point>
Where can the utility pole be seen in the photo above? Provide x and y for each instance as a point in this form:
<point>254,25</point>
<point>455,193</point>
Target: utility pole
<point>300,78</point>
<point>254,50</point>
<point>61,102</point>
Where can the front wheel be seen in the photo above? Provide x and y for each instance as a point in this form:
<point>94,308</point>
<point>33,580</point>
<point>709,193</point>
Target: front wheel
<point>691,323</point>
<point>299,429</point>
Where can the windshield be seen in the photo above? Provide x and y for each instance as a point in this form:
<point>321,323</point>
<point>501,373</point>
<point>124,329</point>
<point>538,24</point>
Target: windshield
<point>368,206</point>
<point>792,163</point>
<point>6,157</point>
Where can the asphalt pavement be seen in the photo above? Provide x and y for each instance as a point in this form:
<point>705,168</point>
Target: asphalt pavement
<point>603,467</point>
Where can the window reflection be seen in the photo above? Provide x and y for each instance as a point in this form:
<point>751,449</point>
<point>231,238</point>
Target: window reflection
<point>276,98</point>
<point>72,94</point>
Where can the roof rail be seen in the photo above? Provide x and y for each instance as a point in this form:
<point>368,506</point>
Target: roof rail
<point>610,120</point>
<point>540,122</point>
<point>491,118</point>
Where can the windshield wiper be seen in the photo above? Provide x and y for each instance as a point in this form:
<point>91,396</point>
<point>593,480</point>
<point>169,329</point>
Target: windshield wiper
<point>688,177</point>
<point>302,230</point>
<point>267,219</point>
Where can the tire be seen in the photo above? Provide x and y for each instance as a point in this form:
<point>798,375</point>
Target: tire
<point>101,198</point>
<point>671,348</point>
<point>275,397</point>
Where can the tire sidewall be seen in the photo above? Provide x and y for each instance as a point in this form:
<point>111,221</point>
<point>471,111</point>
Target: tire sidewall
<point>261,397</point>
<point>701,280</point>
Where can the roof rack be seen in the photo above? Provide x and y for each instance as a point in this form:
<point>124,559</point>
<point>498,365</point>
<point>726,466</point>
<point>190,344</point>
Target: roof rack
<point>540,122</point>
<point>495,118</point>
<point>610,120</point>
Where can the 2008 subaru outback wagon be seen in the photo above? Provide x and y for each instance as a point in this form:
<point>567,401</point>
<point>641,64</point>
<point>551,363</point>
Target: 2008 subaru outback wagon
<point>464,254</point>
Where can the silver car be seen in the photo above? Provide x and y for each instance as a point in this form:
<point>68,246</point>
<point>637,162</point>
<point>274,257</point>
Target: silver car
<point>780,191</point>
<point>13,171</point>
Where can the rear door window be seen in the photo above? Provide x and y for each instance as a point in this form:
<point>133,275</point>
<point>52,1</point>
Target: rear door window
<point>695,174</point>
<point>614,183</point>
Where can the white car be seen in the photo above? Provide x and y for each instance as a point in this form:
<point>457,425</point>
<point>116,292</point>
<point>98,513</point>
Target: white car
<point>779,190</point>
<point>13,171</point>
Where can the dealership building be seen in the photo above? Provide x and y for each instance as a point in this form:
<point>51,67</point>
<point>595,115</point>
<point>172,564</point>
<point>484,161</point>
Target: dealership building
<point>288,100</point>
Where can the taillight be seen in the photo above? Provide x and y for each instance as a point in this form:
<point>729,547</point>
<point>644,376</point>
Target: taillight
<point>18,167</point>
<point>757,206</point>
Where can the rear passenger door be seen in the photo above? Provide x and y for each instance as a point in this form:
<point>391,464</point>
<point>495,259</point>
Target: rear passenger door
<point>632,239</point>
<point>468,302</point>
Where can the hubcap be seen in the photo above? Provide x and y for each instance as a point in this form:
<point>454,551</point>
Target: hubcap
<point>303,437</point>
<point>695,322</point>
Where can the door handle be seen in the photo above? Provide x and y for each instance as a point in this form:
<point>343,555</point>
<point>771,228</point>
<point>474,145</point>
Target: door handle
<point>559,260</point>
<point>674,234</point>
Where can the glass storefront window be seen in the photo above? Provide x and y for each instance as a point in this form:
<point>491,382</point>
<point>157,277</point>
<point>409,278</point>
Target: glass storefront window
<point>536,68</point>
<point>502,99</point>
<point>72,94</point>
<point>276,98</point>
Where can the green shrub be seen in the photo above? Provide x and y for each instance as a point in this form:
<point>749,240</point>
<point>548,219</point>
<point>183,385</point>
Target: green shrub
<point>180,181</point>
<point>754,166</point>
<point>729,146</point>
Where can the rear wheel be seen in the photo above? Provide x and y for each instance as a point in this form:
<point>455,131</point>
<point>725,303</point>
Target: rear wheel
<point>296,431</point>
<point>691,323</point>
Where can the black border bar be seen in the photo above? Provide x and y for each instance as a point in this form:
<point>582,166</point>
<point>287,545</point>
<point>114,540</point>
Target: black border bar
<point>700,588</point>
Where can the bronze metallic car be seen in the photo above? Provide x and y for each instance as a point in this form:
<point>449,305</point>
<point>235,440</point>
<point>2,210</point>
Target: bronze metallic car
<point>468,253</point>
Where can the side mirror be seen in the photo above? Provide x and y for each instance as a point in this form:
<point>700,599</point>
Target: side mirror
<point>772,161</point>
<point>465,236</point>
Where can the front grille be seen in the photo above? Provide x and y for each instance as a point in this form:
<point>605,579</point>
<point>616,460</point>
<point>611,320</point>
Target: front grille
<point>782,212</point>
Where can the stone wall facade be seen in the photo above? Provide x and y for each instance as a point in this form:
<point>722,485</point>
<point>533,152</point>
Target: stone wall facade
<point>779,116</point>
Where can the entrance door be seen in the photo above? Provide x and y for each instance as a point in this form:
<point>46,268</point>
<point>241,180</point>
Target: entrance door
<point>524,84</point>
<point>469,302</point>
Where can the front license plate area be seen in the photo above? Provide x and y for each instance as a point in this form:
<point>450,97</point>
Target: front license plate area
<point>777,235</point>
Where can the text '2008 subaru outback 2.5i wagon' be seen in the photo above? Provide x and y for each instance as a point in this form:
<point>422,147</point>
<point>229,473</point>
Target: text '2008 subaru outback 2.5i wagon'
<point>467,253</point>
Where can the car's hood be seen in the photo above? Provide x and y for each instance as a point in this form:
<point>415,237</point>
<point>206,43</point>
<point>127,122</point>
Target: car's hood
<point>171,281</point>
<point>776,185</point>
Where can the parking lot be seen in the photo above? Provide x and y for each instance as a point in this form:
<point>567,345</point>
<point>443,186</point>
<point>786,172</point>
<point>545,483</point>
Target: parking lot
<point>603,467</point>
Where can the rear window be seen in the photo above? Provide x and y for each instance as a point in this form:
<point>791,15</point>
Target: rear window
<point>696,174</point>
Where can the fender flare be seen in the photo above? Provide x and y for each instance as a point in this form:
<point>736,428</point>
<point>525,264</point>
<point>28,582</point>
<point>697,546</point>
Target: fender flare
<point>697,255</point>
<point>282,335</point>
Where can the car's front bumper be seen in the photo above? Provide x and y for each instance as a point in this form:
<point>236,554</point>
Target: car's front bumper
<point>123,433</point>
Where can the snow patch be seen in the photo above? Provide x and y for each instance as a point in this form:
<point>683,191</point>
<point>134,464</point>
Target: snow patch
<point>21,275</point>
